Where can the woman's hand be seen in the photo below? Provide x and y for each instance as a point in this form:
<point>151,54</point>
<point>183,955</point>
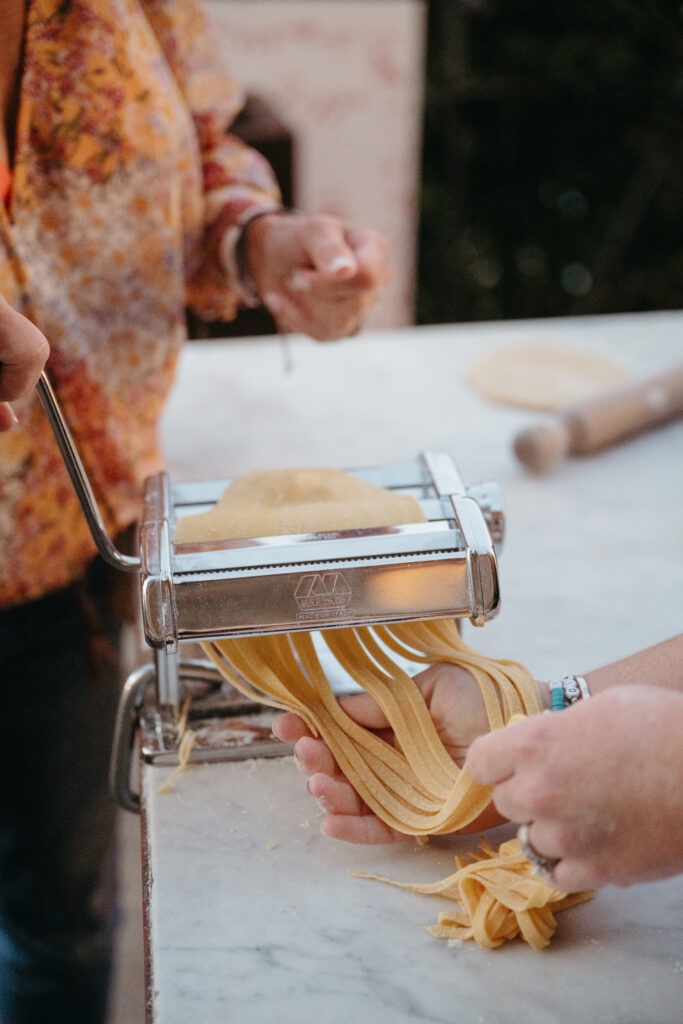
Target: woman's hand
<point>316,275</point>
<point>600,785</point>
<point>456,706</point>
<point>23,354</point>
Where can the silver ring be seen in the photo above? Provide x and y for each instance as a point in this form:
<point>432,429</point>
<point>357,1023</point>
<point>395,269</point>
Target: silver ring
<point>542,866</point>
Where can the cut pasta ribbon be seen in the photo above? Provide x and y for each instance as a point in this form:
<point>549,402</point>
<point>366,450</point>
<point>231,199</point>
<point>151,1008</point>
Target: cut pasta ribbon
<point>499,898</point>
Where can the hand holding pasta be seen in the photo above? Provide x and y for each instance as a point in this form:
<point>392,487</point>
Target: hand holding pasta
<point>455,703</point>
<point>316,275</point>
<point>601,783</point>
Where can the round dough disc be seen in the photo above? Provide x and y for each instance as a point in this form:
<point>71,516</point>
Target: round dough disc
<point>543,377</point>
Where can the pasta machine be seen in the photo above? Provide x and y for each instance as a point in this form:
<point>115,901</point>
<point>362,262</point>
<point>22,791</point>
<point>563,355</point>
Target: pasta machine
<point>443,567</point>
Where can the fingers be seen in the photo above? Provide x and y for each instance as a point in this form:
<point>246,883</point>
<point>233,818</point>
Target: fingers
<point>339,255</point>
<point>495,757</point>
<point>334,295</point>
<point>372,255</point>
<point>339,276</point>
<point>361,707</point>
<point>488,819</point>
<point>572,870</point>
<point>316,275</point>
<point>576,868</point>
<point>311,754</point>
<point>335,796</point>
<point>289,727</point>
<point>23,353</point>
<point>546,839</point>
<point>347,817</point>
<point>491,758</point>
<point>528,795</point>
<point>509,804</point>
<point>8,417</point>
<point>321,311</point>
<point>364,710</point>
<point>543,773</point>
<point>575,876</point>
<point>365,829</point>
<point>315,756</point>
<point>324,240</point>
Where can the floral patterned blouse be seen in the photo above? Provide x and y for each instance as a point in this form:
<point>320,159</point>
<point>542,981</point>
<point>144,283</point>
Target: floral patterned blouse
<point>124,183</point>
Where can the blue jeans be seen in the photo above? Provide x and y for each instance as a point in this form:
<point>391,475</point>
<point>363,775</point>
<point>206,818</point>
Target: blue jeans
<point>59,682</point>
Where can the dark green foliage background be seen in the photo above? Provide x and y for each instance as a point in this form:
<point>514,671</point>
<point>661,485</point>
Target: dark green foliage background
<point>553,148</point>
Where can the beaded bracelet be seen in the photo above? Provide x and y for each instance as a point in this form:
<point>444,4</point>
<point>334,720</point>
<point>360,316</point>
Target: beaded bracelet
<point>566,691</point>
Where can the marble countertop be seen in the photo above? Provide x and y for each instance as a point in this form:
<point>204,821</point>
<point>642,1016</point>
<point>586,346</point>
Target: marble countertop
<point>253,914</point>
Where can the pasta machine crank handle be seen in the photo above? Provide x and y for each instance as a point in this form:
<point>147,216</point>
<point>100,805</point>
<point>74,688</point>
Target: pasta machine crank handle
<point>72,460</point>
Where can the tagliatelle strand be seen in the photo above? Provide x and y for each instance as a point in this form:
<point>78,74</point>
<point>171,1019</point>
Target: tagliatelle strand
<point>187,742</point>
<point>420,745</point>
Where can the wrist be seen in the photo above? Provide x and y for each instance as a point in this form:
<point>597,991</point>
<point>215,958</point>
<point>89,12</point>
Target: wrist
<point>233,253</point>
<point>250,247</point>
<point>543,694</point>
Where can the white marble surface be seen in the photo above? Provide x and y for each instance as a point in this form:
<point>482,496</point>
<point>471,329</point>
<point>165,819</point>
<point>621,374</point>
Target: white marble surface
<point>591,571</point>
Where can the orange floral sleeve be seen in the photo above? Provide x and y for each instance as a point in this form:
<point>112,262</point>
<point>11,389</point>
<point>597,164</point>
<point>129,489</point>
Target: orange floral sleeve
<point>237,179</point>
<point>125,184</point>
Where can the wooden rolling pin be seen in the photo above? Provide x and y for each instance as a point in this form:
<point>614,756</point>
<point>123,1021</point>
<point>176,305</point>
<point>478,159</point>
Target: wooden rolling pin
<point>603,421</point>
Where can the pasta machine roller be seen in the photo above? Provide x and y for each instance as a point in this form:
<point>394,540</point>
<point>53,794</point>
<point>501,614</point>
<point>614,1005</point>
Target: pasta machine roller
<point>443,567</point>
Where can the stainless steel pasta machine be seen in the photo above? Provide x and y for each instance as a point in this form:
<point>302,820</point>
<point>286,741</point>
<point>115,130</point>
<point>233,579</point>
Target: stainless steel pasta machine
<point>443,567</point>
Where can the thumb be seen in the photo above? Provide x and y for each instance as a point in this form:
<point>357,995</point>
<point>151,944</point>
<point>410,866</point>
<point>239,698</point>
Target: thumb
<point>8,418</point>
<point>23,353</point>
<point>494,757</point>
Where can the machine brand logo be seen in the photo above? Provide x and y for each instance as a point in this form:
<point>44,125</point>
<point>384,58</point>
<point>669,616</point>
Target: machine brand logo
<point>323,592</point>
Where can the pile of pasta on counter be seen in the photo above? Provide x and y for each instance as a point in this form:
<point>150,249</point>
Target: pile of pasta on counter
<point>499,898</point>
<point>414,786</point>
